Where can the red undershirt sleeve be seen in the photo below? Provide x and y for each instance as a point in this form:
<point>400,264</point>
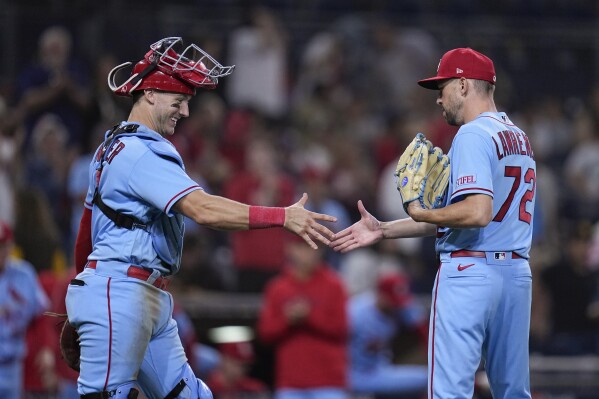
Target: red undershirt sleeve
<point>83,244</point>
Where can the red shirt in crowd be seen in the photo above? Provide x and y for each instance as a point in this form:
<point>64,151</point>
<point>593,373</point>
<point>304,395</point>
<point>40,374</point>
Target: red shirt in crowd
<point>259,249</point>
<point>313,353</point>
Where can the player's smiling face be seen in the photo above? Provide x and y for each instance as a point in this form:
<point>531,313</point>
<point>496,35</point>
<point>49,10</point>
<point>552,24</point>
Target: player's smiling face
<point>169,108</point>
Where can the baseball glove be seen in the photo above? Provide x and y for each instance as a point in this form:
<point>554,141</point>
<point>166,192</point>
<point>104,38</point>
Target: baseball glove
<point>423,173</point>
<point>69,345</point>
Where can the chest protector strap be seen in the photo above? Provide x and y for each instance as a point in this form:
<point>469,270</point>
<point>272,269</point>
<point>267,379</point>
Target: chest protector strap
<point>120,219</point>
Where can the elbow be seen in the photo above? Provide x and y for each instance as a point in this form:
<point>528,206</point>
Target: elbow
<point>482,219</point>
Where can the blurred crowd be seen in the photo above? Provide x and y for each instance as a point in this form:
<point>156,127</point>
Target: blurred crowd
<point>332,126</point>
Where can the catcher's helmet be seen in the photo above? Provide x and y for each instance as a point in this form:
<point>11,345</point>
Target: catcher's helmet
<point>165,68</point>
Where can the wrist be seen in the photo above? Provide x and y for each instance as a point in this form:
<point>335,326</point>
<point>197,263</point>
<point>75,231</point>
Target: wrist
<point>262,217</point>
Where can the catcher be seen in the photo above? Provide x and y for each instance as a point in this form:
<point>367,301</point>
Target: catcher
<point>131,232</point>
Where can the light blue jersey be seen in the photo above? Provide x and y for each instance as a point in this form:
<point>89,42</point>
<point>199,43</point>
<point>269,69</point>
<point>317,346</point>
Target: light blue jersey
<point>482,295</point>
<point>22,299</point>
<point>131,161</point>
<point>115,309</point>
<point>492,156</point>
<point>372,370</point>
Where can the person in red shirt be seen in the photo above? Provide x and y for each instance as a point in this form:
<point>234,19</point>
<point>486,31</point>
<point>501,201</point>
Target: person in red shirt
<point>230,379</point>
<point>258,256</point>
<point>40,379</point>
<point>304,318</point>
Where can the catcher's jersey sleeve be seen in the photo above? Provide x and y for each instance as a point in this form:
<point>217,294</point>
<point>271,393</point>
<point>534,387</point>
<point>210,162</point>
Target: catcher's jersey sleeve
<point>160,181</point>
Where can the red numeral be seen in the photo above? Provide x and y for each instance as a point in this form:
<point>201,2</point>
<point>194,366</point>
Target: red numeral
<point>516,173</point>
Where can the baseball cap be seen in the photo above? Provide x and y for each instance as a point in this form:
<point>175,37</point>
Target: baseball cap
<point>5,232</point>
<point>395,287</point>
<point>461,63</point>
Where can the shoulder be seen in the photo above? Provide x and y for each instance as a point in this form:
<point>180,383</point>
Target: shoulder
<point>20,268</point>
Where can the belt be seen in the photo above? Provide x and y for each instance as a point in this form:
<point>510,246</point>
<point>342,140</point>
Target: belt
<point>139,273</point>
<point>463,253</point>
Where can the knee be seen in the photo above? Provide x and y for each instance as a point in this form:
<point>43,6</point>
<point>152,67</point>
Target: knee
<point>189,387</point>
<point>123,391</point>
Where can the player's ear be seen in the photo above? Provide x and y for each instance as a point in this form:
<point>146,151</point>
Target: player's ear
<point>150,95</point>
<point>464,86</point>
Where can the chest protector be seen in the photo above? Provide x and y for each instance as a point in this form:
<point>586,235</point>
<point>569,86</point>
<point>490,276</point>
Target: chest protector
<point>166,231</point>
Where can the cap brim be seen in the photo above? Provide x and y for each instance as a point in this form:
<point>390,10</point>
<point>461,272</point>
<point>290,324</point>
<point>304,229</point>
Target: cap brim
<point>432,83</point>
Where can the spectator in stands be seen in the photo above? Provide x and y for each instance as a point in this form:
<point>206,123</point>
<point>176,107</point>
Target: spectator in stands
<point>259,50</point>
<point>22,300</point>
<point>41,380</point>
<point>56,83</point>
<point>581,169</point>
<point>376,318</point>
<point>9,163</point>
<point>570,286</point>
<point>259,255</point>
<point>48,163</point>
<point>230,379</point>
<point>315,181</point>
<point>37,237</point>
<point>304,319</point>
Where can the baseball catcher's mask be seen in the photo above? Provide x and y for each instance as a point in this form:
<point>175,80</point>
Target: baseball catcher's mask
<point>167,68</point>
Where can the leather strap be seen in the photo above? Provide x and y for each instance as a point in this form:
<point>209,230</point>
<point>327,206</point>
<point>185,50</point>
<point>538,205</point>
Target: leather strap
<point>463,253</point>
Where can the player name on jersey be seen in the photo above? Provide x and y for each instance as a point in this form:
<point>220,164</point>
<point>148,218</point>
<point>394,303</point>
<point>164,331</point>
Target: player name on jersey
<point>508,142</point>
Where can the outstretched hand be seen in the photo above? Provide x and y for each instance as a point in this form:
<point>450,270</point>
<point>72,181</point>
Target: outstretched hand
<point>366,231</point>
<point>306,224</point>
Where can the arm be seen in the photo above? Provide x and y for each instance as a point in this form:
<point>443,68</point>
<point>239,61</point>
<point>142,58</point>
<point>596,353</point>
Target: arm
<point>368,230</point>
<point>225,214</point>
<point>83,244</point>
<point>476,210</point>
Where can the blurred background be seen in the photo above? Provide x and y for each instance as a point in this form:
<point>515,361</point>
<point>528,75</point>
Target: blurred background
<point>323,100</point>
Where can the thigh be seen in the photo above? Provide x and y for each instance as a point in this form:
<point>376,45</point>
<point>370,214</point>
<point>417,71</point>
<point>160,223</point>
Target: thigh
<point>507,355</point>
<point>115,318</point>
<point>462,300</point>
<point>9,373</point>
<point>164,362</point>
<point>390,379</point>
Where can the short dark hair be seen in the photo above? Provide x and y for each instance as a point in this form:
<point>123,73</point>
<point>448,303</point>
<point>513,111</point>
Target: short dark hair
<point>482,86</point>
<point>136,95</point>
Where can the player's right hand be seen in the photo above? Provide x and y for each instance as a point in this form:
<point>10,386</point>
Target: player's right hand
<point>305,224</point>
<point>366,231</point>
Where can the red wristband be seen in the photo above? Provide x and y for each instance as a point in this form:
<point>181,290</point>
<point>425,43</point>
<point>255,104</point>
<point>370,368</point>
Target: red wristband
<point>262,217</point>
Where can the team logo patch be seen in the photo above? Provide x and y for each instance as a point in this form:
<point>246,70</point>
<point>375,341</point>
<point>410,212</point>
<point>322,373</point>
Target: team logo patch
<point>470,179</point>
<point>404,181</point>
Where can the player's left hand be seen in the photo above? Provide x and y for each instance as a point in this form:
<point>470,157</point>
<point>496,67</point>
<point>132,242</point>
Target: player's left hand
<point>306,224</point>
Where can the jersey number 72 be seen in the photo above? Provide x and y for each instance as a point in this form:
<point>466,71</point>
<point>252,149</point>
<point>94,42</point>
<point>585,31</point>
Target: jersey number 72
<point>529,177</point>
